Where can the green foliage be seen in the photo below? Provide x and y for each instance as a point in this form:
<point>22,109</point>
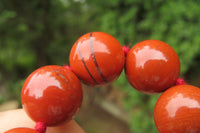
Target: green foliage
<point>2,99</point>
<point>140,107</point>
<point>37,33</point>
<point>15,89</point>
<point>141,122</point>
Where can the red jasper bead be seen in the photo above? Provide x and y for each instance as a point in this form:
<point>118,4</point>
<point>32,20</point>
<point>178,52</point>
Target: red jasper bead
<point>178,110</point>
<point>21,130</point>
<point>51,95</point>
<point>152,66</point>
<point>97,58</point>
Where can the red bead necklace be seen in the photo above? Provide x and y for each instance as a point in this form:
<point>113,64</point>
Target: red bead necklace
<point>52,95</point>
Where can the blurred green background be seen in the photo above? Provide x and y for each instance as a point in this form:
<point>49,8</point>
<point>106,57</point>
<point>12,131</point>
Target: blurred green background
<point>40,32</point>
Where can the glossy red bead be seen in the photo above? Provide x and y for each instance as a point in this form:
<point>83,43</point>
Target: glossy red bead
<point>97,58</point>
<point>152,66</point>
<point>21,130</point>
<point>52,95</point>
<point>178,110</point>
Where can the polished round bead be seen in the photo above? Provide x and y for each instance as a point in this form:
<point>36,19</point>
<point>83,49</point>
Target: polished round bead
<point>97,58</point>
<point>152,66</point>
<point>178,110</point>
<point>21,130</point>
<point>51,95</point>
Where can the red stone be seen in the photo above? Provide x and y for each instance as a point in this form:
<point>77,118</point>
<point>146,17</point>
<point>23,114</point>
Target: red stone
<point>178,110</point>
<point>152,66</point>
<point>97,58</point>
<point>51,95</point>
<point>21,130</point>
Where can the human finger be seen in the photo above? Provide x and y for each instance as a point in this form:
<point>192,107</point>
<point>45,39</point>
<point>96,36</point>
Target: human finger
<point>18,118</point>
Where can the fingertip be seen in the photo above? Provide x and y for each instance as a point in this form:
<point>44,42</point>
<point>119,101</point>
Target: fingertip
<point>13,119</point>
<point>69,127</point>
<point>18,118</point>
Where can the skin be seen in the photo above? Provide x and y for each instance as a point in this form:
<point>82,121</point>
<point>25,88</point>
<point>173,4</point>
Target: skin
<point>18,118</point>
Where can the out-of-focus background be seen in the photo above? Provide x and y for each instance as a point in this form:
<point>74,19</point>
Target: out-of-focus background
<point>35,33</point>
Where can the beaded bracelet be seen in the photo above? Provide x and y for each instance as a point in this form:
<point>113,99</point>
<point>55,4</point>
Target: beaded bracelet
<point>52,95</point>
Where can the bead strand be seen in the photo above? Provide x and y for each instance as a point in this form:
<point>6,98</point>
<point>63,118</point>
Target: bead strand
<point>97,58</point>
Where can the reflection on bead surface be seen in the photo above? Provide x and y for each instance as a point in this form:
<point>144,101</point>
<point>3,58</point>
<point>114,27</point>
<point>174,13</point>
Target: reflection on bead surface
<point>178,110</point>
<point>152,66</point>
<point>52,95</point>
<point>21,130</point>
<point>97,58</point>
